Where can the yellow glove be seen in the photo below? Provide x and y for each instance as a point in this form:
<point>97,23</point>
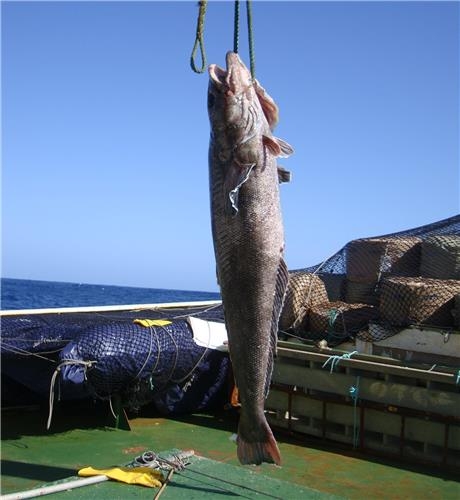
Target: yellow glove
<point>146,476</point>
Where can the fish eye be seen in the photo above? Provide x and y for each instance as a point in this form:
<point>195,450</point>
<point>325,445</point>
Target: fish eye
<point>211,100</point>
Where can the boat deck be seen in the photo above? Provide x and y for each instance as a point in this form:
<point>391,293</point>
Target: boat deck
<point>33,457</point>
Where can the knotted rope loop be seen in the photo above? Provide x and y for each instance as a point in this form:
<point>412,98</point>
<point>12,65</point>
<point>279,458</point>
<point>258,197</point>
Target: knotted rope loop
<point>199,40</point>
<point>335,360</point>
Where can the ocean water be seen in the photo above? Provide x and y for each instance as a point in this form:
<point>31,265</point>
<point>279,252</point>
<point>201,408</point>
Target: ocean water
<point>32,294</point>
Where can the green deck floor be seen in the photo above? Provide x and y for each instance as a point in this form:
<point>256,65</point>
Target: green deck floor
<point>32,457</point>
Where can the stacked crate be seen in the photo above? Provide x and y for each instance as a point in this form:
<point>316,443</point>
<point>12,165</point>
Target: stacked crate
<point>427,297</point>
<point>304,291</point>
<point>398,281</point>
<point>371,259</point>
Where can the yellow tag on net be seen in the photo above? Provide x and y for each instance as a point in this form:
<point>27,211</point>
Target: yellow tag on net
<point>152,322</point>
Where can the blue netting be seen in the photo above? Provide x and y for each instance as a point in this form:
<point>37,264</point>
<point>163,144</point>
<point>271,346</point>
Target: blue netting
<point>142,364</point>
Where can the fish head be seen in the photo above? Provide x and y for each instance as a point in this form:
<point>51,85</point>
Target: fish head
<point>238,78</point>
<point>231,93</point>
<point>235,81</point>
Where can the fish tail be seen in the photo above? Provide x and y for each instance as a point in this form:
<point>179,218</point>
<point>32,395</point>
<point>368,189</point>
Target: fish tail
<point>260,447</point>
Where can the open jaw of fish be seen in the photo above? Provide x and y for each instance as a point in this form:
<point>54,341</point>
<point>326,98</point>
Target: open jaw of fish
<point>248,240</point>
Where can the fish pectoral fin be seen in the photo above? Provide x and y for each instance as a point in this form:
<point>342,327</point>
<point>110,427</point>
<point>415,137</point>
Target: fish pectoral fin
<point>271,144</point>
<point>236,176</point>
<point>286,149</point>
<point>283,175</point>
<point>277,147</point>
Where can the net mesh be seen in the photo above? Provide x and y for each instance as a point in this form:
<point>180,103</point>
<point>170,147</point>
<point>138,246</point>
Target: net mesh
<point>441,257</point>
<point>405,278</point>
<point>304,291</point>
<point>33,333</point>
<point>423,301</point>
<point>125,352</point>
<point>457,311</point>
<point>160,364</point>
<point>369,289</point>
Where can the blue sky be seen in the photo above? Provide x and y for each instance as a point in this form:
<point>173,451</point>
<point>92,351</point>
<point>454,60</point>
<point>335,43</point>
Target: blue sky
<point>105,131</point>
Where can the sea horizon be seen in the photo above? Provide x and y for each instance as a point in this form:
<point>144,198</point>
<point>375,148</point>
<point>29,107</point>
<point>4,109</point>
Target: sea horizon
<point>104,284</point>
<point>22,293</point>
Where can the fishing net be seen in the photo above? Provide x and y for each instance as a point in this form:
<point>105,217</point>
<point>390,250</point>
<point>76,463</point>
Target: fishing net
<point>409,277</point>
<point>102,354</point>
<point>423,301</point>
<point>39,333</point>
<point>303,291</point>
<point>335,285</point>
<point>140,363</point>
<point>377,331</point>
<point>336,321</point>
<point>367,259</point>
<point>362,293</point>
<point>456,311</point>
<point>370,289</point>
<point>441,257</point>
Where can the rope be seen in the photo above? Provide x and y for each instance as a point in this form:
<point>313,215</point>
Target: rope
<point>152,330</point>
<point>206,309</point>
<point>335,360</point>
<point>236,27</point>
<point>199,40</point>
<point>190,373</point>
<point>157,360</point>
<point>111,409</point>
<point>353,391</point>
<point>86,364</point>
<point>23,352</point>
<point>457,381</point>
<point>252,57</point>
<point>199,37</point>
<point>236,33</point>
<point>332,316</point>
<point>354,394</point>
<point>170,376</point>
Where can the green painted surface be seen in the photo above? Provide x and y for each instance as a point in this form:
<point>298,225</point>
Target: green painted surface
<point>32,457</point>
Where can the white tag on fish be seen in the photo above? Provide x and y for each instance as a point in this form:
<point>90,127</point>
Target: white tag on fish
<point>233,194</point>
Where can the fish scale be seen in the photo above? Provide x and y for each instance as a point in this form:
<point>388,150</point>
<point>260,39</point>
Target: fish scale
<point>248,240</point>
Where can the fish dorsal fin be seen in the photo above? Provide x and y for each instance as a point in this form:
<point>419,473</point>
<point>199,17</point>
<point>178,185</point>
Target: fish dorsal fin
<point>283,175</point>
<point>268,105</point>
<point>280,290</point>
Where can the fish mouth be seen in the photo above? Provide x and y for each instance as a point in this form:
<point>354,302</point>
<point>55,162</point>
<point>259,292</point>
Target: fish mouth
<point>217,75</point>
<point>235,79</point>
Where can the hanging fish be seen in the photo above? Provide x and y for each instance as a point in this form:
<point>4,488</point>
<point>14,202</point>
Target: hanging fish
<point>248,240</point>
